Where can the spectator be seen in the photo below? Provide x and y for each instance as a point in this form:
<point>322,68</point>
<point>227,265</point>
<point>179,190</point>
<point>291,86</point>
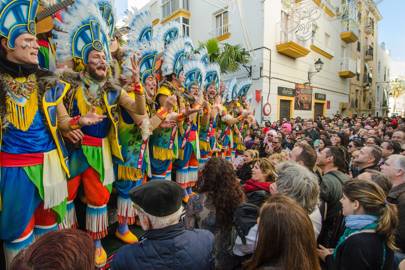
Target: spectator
<point>257,188</point>
<point>63,250</point>
<point>399,136</point>
<point>368,240</point>
<point>333,165</point>
<point>390,148</point>
<point>394,169</point>
<point>297,182</point>
<point>304,154</point>
<point>244,172</point>
<point>368,158</point>
<point>373,140</point>
<point>284,242</point>
<point>219,194</point>
<point>377,177</point>
<point>323,143</point>
<point>158,206</point>
<point>277,158</point>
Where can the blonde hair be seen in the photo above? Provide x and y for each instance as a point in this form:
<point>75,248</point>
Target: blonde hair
<point>372,198</point>
<point>277,158</point>
<point>252,153</point>
<point>267,169</point>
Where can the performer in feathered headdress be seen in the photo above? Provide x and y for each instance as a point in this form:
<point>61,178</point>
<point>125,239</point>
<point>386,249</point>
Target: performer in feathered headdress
<point>141,58</point>
<point>169,32</point>
<point>33,157</point>
<point>240,128</point>
<point>163,142</point>
<point>84,39</point>
<point>187,164</point>
<point>207,132</point>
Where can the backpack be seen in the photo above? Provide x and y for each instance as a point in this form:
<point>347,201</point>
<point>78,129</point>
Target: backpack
<point>244,218</point>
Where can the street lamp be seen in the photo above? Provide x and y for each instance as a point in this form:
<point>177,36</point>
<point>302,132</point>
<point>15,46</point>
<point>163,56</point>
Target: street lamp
<point>318,67</point>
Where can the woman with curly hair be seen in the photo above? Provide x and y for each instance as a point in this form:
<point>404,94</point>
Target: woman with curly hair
<point>219,194</point>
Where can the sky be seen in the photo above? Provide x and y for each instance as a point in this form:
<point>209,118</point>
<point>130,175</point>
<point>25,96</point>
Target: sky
<point>392,32</point>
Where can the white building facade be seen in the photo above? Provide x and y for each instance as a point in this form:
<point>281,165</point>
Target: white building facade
<point>383,80</point>
<point>285,38</point>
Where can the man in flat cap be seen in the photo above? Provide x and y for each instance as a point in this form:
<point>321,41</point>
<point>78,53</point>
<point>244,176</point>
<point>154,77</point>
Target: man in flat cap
<point>166,243</point>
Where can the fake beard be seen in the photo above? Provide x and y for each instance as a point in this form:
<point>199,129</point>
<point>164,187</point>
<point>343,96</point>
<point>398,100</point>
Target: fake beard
<point>93,70</point>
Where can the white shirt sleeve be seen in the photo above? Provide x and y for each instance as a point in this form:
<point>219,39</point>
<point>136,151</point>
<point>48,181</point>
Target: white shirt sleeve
<point>239,249</point>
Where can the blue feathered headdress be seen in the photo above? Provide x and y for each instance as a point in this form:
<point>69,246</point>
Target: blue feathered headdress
<point>194,72</point>
<point>212,75</point>
<point>17,17</point>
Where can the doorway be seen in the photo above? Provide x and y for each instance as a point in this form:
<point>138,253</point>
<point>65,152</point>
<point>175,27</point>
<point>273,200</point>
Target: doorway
<point>318,111</point>
<point>285,109</point>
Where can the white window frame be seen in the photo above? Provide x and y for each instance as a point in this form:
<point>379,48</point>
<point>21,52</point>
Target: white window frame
<point>222,28</point>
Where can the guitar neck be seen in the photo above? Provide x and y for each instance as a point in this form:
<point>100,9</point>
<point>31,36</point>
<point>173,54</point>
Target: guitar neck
<point>53,9</point>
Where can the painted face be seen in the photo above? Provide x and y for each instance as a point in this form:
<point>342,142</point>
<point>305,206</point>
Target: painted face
<point>182,78</point>
<point>97,65</point>
<point>194,90</point>
<point>25,51</point>
<point>150,86</point>
<point>212,92</point>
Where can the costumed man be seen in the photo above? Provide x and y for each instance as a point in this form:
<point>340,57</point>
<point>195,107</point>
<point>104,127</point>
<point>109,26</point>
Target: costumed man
<point>84,39</point>
<point>239,129</point>
<point>33,159</point>
<point>187,165</point>
<point>207,133</point>
<point>163,141</point>
<point>139,67</point>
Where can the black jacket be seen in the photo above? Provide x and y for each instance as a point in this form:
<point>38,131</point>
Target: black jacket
<point>172,247</point>
<point>397,196</point>
<point>362,251</point>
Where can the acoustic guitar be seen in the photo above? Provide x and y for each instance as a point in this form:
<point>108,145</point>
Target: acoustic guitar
<point>44,16</point>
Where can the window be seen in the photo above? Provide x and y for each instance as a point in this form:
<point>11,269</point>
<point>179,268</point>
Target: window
<point>185,23</point>
<point>284,27</point>
<point>379,67</point>
<point>358,46</point>
<point>221,23</point>
<point>168,7</point>
<point>186,5</point>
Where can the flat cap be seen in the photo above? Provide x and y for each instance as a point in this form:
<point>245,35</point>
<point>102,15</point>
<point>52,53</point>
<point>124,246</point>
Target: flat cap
<point>158,198</point>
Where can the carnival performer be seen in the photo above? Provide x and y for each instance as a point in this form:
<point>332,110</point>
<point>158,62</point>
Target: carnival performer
<point>138,69</point>
<point>207,133</point>
<point>163,141</point>
<point>187,165</point>
<point>84,39</point>
<point>33,158</point>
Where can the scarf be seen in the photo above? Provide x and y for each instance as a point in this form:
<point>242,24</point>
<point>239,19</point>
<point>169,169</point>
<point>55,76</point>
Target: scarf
<point>253,185</point>
<point>356,224</point>
<point>16,70</point>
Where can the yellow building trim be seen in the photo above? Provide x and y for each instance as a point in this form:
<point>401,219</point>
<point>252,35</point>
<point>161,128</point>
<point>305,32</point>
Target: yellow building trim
<point>321,52</point>
<point>178,13</point>
<point>319,101</point>
<point>328,11</point>
<point>292,49</point>
<point>346,74</point>
<point>348,37</point>
<point>279,98</point>
<point>223,37</point>
<point>155,21</point>
<point>317,2</point>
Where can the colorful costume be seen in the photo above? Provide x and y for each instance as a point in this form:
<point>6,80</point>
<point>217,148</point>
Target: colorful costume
<point>187,164</point>
<point>163,142</point>
<point>33,186</point>
<point>207,134</point>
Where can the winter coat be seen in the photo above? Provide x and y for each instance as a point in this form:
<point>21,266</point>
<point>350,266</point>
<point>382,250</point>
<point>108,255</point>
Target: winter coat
<point>172,247</point>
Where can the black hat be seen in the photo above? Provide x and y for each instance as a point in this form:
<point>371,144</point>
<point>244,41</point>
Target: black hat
<point>158,198</point>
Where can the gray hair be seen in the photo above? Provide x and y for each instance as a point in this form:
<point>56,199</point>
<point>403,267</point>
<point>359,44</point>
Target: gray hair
<point>398,161</point>
<point>162,222</point>
<point>298,183</point>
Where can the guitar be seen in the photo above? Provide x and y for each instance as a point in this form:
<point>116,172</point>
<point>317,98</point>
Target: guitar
<point>44,16</point>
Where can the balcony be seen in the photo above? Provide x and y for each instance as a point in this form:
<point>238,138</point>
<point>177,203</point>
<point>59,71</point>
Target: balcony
<point>329,8</point>
<point>347,68</point>
<point>350,31</point>
<point>222,32</point>
<point>289,45</point>
<point>369,53</point>
<point>317,47</point>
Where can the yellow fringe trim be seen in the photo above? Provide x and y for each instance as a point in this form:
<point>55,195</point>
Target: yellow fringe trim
<point>22,115</point>
<point>162,153</point>
<point>129,173</point>
<point>181,154</point>
<point>204,146</point>
<point>240,147</point>
<point>83,106</point>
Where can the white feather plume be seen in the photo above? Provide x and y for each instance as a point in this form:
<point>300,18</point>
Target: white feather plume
<point>170,56</point>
